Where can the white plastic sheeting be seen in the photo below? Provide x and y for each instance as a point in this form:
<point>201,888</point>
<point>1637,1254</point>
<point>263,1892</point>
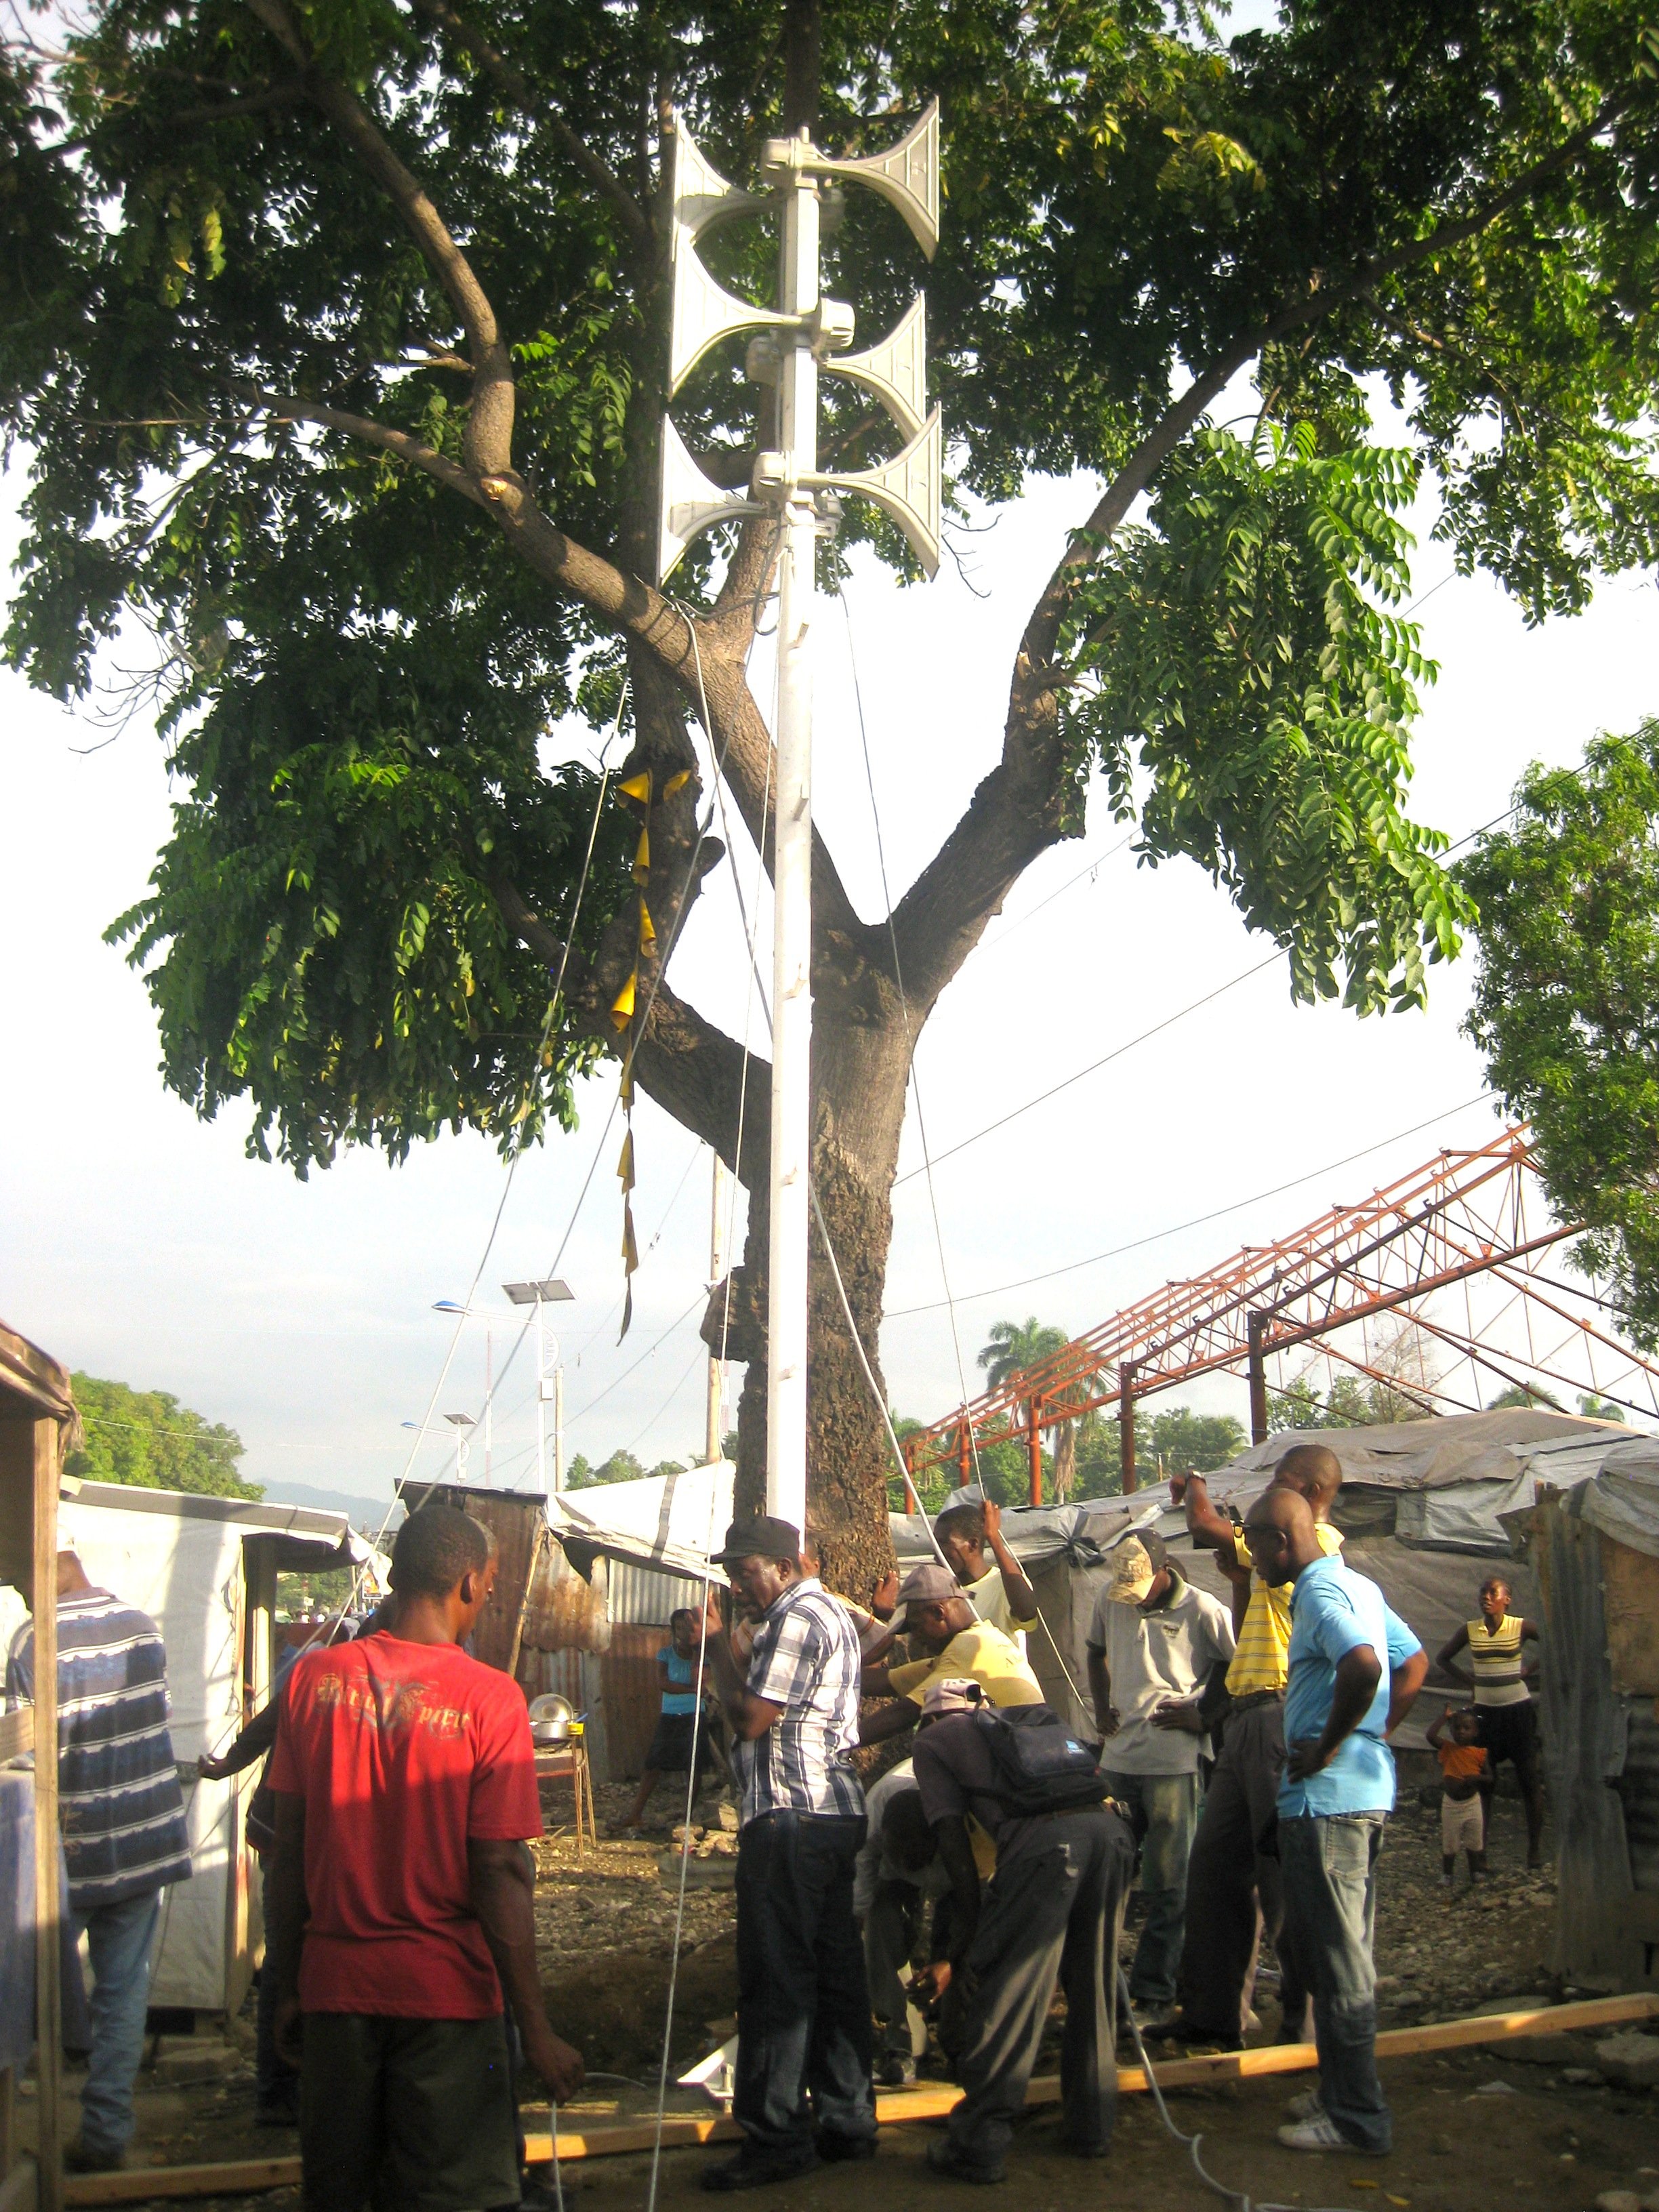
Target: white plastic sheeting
<point>664,1521</point>
<point>179,1559</point>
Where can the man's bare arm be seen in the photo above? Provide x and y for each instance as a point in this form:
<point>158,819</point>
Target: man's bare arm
<point>1404,1683</point>
<point>1015,1585</point>
<point>749,1716</point>
<point>1210,1530</point>
<point>1100,1690</point>
<point>502,1890</point>
<point>888,1721</point>
<point>1357,1673</point>
<point>286,1913</point>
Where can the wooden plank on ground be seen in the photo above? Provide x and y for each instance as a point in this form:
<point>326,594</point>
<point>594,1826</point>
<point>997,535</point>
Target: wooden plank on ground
<point>236,2177</point>
<point>617,2138</point>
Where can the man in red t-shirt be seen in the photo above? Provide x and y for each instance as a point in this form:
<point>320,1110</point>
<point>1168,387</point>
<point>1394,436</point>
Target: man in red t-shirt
<point>401,1896</point>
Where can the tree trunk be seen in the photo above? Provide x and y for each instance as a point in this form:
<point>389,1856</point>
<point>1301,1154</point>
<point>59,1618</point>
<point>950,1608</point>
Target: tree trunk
<point>860,1065</point>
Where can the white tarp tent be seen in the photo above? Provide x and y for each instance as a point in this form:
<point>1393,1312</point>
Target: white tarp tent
<point>670,1522</point>
<point>205,1569</point>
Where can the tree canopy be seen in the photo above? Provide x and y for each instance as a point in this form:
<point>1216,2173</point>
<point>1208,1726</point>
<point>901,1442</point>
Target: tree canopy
<point>1566,999</point>
<point>277,277</point>
<point>147,1438</point>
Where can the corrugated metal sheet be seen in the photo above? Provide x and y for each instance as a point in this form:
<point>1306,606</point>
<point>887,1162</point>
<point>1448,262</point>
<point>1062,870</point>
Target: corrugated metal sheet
<point>1639,1793</point>
<point>643,1595</point>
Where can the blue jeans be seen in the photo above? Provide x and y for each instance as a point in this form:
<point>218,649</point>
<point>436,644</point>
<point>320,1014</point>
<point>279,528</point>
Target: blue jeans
<point>1328,1863</point>
<point>120,1937</point>
<point>1165,1810</point>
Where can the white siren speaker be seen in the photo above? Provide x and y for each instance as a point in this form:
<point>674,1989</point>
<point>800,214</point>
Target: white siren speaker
<point>895,370</point>
<point>689,502</point>
<point>908,489</point>
<point>699,195</point>
<point>703,311</point>
<point>907,176</point>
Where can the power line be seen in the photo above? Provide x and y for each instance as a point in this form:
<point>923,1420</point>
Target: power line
<point>1157,1235</point>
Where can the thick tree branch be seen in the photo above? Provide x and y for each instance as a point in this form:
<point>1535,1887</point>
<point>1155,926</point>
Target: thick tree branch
<point>519,89</point>
<point>489,419</point>
<point>282,407</point>
<point>1017,811</point>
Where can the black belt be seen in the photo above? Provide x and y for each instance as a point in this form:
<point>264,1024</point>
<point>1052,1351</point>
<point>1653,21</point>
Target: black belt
<point>1256,1697</point>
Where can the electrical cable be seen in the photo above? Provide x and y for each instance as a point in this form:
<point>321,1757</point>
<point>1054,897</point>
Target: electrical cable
<point>750,927</point>
<point>1193,2145</point>
<point>1157,1235</point>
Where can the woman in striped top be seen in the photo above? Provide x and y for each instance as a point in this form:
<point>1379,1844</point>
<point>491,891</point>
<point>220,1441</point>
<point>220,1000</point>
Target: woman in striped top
<point>1499,1675</point>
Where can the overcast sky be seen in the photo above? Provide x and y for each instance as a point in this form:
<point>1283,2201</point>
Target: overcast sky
<point>142,1244</point>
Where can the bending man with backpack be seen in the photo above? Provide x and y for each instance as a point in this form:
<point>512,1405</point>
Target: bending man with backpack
<point>1052,1911</point>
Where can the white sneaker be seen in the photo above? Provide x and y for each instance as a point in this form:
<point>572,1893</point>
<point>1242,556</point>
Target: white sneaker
<point>1305,2106</point>
<point>1321,2133</point>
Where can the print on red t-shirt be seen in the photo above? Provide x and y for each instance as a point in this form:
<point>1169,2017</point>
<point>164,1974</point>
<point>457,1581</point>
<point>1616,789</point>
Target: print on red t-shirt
<point>401,1751</point>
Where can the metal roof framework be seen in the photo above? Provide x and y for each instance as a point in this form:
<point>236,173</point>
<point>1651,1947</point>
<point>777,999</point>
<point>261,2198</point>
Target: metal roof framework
<point>1466,1220</point>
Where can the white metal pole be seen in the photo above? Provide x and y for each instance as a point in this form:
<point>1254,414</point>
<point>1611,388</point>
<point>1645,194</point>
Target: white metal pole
<point>558,1425</point>
<point>541,1402</point>
<point>791,939</point>
<point>711,1449</point>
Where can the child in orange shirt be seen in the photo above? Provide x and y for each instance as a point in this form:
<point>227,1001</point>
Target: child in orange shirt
<point>1464,1764</point>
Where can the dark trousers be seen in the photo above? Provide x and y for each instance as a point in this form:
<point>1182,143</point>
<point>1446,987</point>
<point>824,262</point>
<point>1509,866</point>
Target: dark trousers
<point>1330,1907</point>
<point>804,2025</point>
<point>406,2115</point>
<point>1054,1910</point>
<point>1234,1890</point>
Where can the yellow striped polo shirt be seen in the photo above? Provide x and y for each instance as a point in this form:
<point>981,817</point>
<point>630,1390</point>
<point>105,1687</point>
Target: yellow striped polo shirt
<point>1263,1659</point>
<point>1495,1655</point>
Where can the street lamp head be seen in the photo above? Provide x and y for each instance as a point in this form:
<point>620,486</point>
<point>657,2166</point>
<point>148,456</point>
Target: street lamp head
<point>552,1292</point>
<point>447,1305</point>
<point>461,1421</point>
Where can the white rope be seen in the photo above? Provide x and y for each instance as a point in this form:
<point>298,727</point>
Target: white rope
<point>750,925</point>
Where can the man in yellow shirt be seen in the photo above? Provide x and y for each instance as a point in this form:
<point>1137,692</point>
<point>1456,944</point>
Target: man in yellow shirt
<point>933,1610</point>
<point>1233,1888</point>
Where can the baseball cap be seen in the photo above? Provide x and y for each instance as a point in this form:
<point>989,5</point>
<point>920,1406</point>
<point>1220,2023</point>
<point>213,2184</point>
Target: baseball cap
<point>956,1693</point>
<point>927,1584</point>
<point>761,1537</point>
<point>1134,1568</point>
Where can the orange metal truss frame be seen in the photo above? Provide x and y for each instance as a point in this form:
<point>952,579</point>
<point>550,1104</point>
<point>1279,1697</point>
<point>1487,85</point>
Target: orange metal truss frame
<point>1461,1214</point>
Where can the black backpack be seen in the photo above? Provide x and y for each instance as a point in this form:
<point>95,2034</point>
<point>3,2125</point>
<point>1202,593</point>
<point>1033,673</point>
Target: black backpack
<point>1041,1767</point>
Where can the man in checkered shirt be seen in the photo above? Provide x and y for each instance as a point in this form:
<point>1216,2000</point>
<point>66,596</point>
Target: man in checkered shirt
<point>804,2029</point>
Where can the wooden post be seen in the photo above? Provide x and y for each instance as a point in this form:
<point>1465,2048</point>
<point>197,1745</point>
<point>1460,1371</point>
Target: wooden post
<point>1125,1424</point>
<point>1034,1446</point>
<point>1257,1324</point>
<point>965,1456</point>
<point>48,1992</point>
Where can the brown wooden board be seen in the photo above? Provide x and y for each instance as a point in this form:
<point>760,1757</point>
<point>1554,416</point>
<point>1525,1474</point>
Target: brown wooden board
<point>613,2138</point>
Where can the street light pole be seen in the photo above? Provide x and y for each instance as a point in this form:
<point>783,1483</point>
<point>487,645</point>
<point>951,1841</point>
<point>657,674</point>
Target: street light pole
<point>540,1295</point>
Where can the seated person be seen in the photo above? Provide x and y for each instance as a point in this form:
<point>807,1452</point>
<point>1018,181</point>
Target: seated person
<point>937,1615</point>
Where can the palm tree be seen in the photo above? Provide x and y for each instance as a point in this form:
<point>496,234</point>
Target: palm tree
<point>1013,1346</point>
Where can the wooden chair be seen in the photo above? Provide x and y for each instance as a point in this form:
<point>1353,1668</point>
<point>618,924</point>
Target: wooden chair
<point>569,1761</point>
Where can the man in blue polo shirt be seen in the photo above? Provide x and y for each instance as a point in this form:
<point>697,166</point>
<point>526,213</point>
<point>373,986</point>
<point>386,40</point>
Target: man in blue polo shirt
<point>1355,1667</point>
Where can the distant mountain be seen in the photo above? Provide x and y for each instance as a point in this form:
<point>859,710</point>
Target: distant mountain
<point>366,1512</point>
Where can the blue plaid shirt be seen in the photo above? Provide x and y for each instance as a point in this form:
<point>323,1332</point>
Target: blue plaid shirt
<point>805,1658</point>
